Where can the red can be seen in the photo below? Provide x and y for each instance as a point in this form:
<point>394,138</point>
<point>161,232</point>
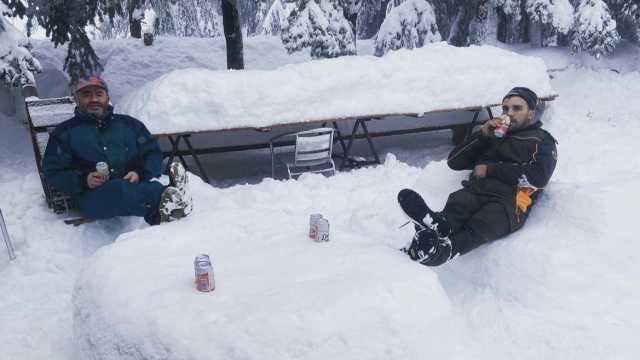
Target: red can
<point>204,279</point>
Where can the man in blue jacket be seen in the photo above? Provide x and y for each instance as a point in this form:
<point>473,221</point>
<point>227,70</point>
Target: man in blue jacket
<point>95,134</point>
<point>508,172</point>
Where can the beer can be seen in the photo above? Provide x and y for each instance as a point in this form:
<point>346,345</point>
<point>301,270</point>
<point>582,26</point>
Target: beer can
<point>103,168</point>
<point>313,225</point>
<point>198,258</point>
<point>501,130</point>
<point>205,281</point>
<point>322,232</point>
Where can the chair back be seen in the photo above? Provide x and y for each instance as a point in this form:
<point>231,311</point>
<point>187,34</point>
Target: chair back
<point>43,115</point>
<point>313,147</point>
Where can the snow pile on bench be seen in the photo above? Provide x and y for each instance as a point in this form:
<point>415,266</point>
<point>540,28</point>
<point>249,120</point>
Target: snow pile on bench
<point>435,77</point>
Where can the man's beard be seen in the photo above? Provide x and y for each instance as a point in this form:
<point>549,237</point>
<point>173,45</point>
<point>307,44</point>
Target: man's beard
<point>96,110</point>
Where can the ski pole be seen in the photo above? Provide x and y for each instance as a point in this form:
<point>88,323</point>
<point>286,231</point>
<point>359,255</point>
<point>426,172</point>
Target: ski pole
<point>5,236</point>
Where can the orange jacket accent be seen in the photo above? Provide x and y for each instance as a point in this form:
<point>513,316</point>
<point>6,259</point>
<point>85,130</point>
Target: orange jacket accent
<point>523,198</point>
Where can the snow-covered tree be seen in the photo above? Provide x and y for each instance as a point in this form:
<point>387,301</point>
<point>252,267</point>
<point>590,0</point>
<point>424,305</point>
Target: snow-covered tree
<point>65,22</point>
<point>371,16</point>
<point>263,7</point>
<point>319,25</point>
<point>627,16</point>
<point>409,25</point>
<point>483,29</point>
<point>276,18</point>
<point>595,29</point>
<point>548,17</point>
<point>511,20</point>
<point>17,64</point>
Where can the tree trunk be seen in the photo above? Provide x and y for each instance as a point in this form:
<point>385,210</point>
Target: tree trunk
<point>535,34</point>
<point>135,28</point>
<point>135,25</point>
<point>232,34</point>
<point>353,20</point>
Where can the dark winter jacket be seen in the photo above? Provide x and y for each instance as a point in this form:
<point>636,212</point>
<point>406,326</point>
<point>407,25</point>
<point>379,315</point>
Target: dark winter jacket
<point>76,145</point>
<point>519,166</point>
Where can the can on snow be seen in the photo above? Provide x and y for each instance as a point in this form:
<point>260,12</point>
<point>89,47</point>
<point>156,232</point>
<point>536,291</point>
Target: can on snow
<point>313,225</point>
<point>322,230</point>
<point>198,258</point>
<point>203,269</point>
<point>502,128</point>
<point>103,168</point>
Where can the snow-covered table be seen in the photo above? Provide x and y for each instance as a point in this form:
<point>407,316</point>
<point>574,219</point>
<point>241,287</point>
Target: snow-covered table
<point>435,78</point>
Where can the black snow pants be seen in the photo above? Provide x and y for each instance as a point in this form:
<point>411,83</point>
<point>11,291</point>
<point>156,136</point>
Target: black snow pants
<point>475,219</point>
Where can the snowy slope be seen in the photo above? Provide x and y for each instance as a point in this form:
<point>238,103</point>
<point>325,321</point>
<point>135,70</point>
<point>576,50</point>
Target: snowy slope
<point>564,287</point>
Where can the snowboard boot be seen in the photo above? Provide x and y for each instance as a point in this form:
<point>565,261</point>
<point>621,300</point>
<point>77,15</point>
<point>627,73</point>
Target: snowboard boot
<point>179,179</point>
<point>172,206</point>
<point>428,248</point>
<point>414,206</point>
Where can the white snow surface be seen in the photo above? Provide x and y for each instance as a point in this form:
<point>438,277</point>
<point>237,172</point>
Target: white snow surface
<point>564,287</point>
<point>435,77</point>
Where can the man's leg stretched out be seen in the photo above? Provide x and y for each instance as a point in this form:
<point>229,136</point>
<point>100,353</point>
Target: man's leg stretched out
<point>467,221</point>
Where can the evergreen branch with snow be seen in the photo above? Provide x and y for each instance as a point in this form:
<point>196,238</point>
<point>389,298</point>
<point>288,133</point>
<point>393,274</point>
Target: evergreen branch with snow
<point>409,25</point>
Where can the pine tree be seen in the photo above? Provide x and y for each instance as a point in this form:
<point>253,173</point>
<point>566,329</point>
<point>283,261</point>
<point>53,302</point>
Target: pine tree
<point>459,33</point>
<point>627,16</point>
<point>17,65</point>
<point>483,28</point>
<point>510,26</point>
<point>276,17</point>
<point>595,29</point>
<point>409,25</point>
<point>371,16</point>
<point>65,21</point>
<point>548,18</point>
<point>319,25</point>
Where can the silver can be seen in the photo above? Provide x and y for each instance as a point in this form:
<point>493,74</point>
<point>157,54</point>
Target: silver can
<point>322,234</point>
<point>313,225</point>
<point>103,168</point>
<point>198,258</point>
<point>205,280</point>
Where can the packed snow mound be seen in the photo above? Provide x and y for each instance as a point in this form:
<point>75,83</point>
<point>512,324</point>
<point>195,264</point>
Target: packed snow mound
<point>435,77</point>
<point>278,294</point>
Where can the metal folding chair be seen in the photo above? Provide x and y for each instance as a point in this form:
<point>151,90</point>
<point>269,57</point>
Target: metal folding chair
<point>5,236</point>
<point>312,152</point>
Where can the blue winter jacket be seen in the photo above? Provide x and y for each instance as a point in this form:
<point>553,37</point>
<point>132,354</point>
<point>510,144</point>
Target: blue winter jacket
<point>76,145</point>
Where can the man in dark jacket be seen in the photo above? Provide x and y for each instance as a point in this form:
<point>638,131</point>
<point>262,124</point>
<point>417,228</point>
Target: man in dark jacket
<point>508,174</point>
<point>95,134</point>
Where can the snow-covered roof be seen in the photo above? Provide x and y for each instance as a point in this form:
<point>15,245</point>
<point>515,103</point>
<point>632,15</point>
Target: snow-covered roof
<point>435,77</point>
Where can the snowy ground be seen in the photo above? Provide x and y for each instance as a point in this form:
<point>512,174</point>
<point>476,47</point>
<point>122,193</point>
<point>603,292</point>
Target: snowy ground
<point>562,288</point>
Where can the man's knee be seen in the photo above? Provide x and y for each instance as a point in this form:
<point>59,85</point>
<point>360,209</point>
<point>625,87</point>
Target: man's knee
<point>460,206</point>
<point>489,223</point>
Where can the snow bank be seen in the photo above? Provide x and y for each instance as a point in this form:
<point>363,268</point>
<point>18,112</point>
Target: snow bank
<point>279,295</point>
<point>435,77</point>
<point>560,288</point>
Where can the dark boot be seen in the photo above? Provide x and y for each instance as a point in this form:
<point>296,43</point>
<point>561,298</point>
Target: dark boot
<point>421,215</point>
<point>429,249</point>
